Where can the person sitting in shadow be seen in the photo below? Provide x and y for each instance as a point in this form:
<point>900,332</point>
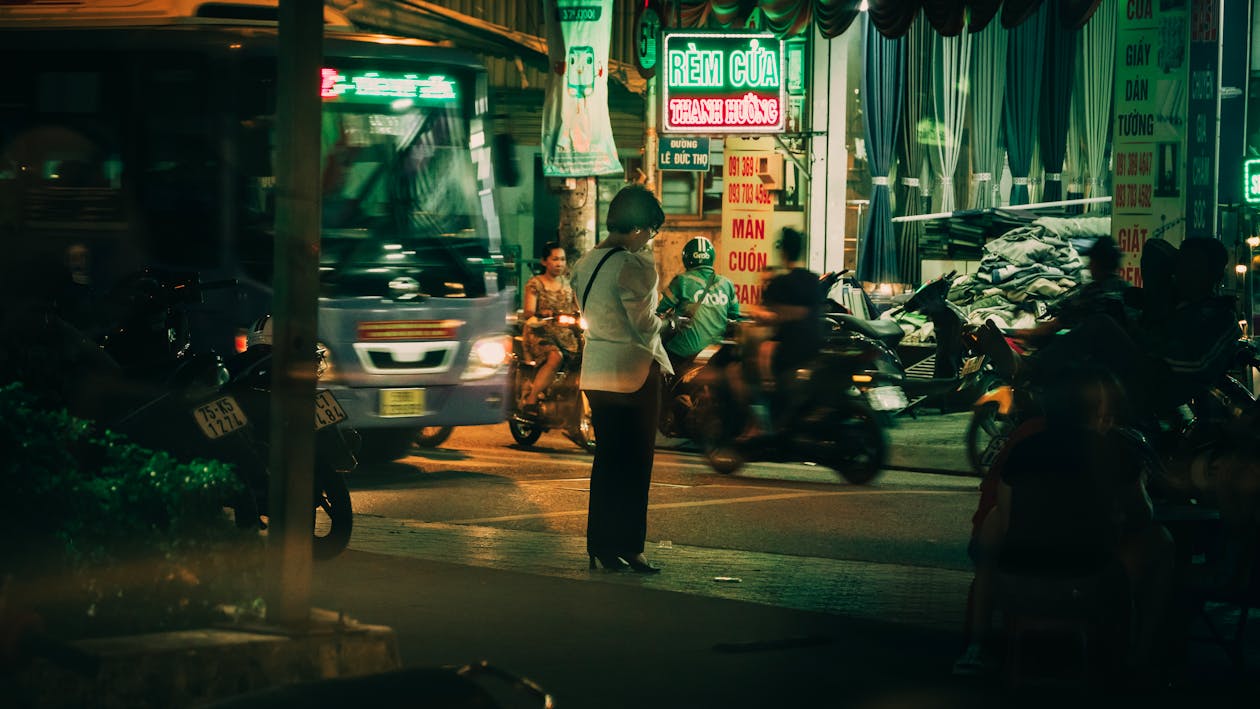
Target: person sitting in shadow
<point>1071,502</point>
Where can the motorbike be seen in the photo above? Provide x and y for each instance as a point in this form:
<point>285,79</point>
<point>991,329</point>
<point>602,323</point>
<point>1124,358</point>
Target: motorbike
<point>562,406</point>
<point>1177,437</point>
<point>165,396</point>
<point>335,443</point>
<point>951,378</point>
<point>828,419</point>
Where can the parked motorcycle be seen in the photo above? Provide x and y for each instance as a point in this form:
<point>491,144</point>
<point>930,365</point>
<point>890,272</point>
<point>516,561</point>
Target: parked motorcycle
<point>828,421</point>
<point>335,444</point>
<point>195,405</point>
<point>958,374</point>
<point>562,406</point>
<point>1177,437</point>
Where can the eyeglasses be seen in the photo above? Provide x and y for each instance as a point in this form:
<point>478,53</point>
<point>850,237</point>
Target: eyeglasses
<point>652,230</point>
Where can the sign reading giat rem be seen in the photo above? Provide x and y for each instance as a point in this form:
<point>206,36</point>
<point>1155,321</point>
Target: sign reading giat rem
<point>722,82</point>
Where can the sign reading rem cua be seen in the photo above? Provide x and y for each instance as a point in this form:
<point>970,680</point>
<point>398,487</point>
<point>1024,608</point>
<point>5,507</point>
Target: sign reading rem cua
<point>722,82</point>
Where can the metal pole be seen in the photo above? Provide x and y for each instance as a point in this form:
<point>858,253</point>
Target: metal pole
<point>651,140</point>
<point>295,312</point>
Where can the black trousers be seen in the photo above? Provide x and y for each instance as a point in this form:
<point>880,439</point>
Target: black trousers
<point>625,444</point>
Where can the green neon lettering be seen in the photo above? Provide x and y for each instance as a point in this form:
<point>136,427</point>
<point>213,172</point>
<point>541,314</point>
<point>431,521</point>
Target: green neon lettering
<point>695,68</point>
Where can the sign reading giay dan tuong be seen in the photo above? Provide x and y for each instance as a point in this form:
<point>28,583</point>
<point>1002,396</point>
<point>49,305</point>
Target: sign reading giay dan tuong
<point>722,82</point>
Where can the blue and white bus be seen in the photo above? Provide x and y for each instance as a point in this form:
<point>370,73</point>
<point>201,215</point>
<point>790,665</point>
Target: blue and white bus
<point>138,132</point>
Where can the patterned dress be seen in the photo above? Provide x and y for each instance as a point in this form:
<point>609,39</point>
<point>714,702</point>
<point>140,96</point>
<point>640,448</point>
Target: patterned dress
<point>539,341</point>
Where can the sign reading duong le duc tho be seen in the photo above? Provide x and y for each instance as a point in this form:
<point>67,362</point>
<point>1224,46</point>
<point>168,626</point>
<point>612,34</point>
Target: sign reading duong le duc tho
<point>722,82</point>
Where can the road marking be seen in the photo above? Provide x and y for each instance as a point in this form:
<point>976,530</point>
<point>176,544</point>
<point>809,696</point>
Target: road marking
<point>702,503</point>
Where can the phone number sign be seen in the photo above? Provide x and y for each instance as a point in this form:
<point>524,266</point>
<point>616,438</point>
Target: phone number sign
<point>722,82</point>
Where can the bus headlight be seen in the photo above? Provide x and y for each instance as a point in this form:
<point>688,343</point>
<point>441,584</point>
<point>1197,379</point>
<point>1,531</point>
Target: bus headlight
<point>485,357</point>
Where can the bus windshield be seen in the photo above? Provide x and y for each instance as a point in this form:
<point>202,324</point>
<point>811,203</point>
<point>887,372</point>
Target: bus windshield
<point>400,188</point>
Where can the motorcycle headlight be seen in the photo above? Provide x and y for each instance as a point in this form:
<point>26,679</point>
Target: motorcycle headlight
<point>486,356</point>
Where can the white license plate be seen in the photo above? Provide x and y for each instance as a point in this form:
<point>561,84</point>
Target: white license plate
<point>887,398</point>
<point>327,410</point>
<point>220,417</point>
<point>402,402</point>
<point>971,366</point>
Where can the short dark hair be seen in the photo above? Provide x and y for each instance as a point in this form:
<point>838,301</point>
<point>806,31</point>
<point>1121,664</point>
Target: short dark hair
<point>548,247</point>
<point>1201,262</point>
<point>791,243</point>
<point>1104,254</point>
<point>633,207</point>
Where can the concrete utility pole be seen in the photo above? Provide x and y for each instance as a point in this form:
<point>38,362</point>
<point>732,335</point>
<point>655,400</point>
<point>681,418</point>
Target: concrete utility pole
<point>577,215</point>
<point>295,312</point>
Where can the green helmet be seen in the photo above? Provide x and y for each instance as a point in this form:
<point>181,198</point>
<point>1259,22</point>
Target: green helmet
<point>698,252</point>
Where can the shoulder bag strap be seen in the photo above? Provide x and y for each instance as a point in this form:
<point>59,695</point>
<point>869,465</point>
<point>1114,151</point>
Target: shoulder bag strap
<point>594,273</point>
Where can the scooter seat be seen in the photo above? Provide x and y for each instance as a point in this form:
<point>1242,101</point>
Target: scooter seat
<point>883,330</point>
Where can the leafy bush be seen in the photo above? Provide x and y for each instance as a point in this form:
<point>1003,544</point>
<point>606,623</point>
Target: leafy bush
<point>102,536</point>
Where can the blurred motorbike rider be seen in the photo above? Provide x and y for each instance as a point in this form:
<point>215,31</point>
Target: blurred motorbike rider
<point>705,298</point>
<point>792,305</point>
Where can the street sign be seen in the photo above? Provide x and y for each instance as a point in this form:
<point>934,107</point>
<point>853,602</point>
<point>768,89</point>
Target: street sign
<point>1251,181</point>
<point>647,33</point>
<point>684,153</point>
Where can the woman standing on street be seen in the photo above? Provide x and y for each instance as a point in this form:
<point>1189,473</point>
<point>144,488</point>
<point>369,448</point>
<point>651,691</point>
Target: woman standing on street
<point>621,375</point>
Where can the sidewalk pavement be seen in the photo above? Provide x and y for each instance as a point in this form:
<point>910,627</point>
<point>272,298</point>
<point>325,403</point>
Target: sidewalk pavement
<point>717,628</point>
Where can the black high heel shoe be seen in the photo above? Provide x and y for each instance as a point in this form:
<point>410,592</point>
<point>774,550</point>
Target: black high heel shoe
<point>610,562</point>
<point>641,566</point>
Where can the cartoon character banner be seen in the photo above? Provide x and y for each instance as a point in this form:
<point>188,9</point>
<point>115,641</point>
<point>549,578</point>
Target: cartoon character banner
<point>577,134</point>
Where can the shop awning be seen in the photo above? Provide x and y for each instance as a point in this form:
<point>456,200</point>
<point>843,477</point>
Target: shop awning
<point>427,21</point>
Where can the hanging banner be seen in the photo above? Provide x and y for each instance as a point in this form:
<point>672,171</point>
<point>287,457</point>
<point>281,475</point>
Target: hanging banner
<point>1202,116</point>
<point>577,138</point>
<point>1149,135</point>
<point>747,246</point>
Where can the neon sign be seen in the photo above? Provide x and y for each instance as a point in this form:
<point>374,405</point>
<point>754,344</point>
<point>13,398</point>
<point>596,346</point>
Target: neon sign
<point>1251,181</point>
<point>722,82</point>
<point>382,87</point>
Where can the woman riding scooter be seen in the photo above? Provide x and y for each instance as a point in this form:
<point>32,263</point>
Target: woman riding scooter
<point>548,342</point>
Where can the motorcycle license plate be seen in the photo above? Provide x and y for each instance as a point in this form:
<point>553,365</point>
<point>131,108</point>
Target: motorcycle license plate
<point>327,410</point>
<point>887,398</point>
<point>971,366</point>
<point>402,402</point>
<point>220,417</point>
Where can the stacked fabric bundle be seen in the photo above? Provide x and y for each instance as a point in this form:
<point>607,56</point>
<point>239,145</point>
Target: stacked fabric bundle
<point>1023,274</point>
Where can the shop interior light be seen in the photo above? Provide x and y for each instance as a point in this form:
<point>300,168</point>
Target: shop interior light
<point>1253,241</point>
<point>1241,269</point>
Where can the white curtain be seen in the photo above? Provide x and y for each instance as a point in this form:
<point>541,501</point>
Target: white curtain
<point>1094,75</point>
<point>914,179</point>
<point>988,87</point>
<point>951,64</point>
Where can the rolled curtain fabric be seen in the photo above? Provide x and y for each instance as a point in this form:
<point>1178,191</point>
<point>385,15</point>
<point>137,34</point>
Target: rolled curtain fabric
<point>947,17</point>
<point>892,17</point>
<point>1025,55</point>
<point>787,18</point>
<point>916,185</point>
<point>833,17</point>
<point>951,63</point>
<point>1073,14</point>
<point>988,90</point>
<point>982,13</point>
<point>1056,97</point>
<point>882,86</point>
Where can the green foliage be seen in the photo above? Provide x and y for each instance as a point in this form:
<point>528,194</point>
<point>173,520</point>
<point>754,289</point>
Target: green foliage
<point>103,536</point>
